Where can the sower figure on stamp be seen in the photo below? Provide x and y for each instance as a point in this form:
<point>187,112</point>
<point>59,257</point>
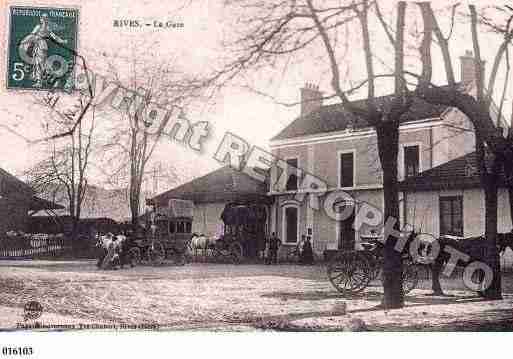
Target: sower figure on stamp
<point>38,37</point>
<point>274,245</point>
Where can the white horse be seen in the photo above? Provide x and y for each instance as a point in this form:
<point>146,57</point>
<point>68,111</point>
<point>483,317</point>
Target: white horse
<point>112,246</point>
<point>200,244</point>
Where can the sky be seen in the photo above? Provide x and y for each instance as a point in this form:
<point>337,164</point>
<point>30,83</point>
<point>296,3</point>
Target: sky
<point>196,47</point>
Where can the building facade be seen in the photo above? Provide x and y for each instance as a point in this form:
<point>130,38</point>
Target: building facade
<point>322,142</point>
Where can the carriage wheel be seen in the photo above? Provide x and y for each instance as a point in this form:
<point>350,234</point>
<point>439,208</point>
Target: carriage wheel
<point>180,258</point>
<point>410,276</point>
<point>349,273</point>
<point>135,257</point>
<point>157,253</point>
<point>236,252</point>
<point>216,253</point>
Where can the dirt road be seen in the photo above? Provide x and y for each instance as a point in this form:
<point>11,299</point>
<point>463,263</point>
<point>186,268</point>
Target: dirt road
<point>231,297</point>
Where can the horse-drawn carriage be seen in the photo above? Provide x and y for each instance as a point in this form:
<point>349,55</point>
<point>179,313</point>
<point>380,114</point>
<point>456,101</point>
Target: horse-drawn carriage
<point>243,235</point>
<point>170,232</point>
<point>166,235</point>
<point>351,271</point>
<point>244,228</point>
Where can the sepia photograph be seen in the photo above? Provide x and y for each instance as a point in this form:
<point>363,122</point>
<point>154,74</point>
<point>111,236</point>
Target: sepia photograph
<point>254,167</point>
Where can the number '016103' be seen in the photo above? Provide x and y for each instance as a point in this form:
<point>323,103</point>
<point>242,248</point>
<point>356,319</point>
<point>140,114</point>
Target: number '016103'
<point>17,351</point>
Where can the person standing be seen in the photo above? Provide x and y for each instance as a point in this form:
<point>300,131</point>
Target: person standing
<point>307,253</point>
<point>274,245</point>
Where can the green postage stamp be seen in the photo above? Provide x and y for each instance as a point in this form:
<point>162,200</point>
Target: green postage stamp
<point>42,48</point>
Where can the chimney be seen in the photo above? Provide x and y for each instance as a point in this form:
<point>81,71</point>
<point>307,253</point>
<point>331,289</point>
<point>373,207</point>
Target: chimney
<point>468,68</point>
<point>311,98</point>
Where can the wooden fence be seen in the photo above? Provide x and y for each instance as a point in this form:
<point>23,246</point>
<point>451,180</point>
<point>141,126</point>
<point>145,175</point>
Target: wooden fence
<point>33,246</point>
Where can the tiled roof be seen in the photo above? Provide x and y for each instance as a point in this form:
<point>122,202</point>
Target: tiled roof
<point>332,118</point>
<point>38,204</point>
<point>222,185</point>
<point>459,173</point>
<point>10,183</point>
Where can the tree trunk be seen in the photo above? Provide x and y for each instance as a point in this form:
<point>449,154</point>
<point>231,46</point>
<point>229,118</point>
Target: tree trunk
<point>510,195</point>
<point>508,171</point>
<point>134,202</point>
<point>388,144</point>
<point>491,253</point>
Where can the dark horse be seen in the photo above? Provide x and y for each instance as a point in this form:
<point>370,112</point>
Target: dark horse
<point>473,247</point>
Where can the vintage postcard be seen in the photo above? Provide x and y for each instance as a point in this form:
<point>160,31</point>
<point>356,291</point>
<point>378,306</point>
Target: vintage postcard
<point>255,166</point>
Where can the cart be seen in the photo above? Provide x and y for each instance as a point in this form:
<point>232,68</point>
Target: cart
<point>168,235</point>
<point>244,230</point>
<point>350,272</point>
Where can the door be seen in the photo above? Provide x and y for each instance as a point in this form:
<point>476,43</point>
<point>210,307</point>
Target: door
<point>346,240</point>
<point>291,225</point>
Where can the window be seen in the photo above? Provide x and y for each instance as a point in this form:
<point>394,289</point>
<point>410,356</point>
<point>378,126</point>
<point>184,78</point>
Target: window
<point>451,216</point>
<point>180,227</point>
<point>411,161</point>
<point>346,167</point>
<point>292,175</point>
<point>172,227</point>
<point>188,227</point>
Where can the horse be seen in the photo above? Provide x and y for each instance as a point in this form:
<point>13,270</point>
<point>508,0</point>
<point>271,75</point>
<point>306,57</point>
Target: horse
<point>474,247</point>
<point>113,247</point>
<point>200,243</point>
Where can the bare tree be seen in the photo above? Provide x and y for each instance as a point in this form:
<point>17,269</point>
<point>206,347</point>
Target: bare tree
<point>62,175</point>
<point>490,141</point>
<point>282,28</point>
<point>132,137</point>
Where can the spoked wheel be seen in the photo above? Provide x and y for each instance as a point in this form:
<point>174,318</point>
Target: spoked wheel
<point>410,276</point>
<point>179,258</point>
<point>236,252</point>
<point>135,257</point>
<point>349,273</point>
<point>157,253</point>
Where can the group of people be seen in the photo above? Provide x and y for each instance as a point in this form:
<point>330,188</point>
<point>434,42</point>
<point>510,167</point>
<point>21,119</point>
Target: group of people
<point>304,247</point>
<point>114,248</point>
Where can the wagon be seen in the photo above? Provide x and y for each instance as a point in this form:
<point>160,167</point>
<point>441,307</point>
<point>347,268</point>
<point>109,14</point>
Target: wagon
<point>244,229</point>
<point>351,271</point>
<point>168,234</point>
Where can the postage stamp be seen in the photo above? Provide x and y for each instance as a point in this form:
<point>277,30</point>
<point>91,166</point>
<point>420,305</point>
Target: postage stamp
<point>42,46</point>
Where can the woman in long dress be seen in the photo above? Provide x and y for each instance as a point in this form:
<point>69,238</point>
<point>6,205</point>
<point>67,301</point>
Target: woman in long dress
<point>38,37</point>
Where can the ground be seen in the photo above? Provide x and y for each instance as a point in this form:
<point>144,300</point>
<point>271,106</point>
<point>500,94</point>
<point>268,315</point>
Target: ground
<point>232,297</point>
